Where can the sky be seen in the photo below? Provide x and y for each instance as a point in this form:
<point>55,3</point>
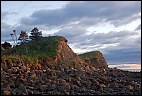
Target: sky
<point>112,27</point>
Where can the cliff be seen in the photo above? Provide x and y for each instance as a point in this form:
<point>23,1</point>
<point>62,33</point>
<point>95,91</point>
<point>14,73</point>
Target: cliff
<point>95,58</point>
<point>55,50</point>
<point>65,53</point>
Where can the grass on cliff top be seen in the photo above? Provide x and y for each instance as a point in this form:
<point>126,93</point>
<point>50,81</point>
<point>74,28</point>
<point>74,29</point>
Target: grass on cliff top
<point>91,55</point>
<point>44,48</point>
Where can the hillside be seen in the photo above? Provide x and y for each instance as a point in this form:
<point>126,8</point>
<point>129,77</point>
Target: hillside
<point>50,67</point>
<point>95,58</point>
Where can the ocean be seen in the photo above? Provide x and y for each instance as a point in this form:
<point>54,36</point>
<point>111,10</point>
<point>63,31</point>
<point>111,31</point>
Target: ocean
<point>132,70</point>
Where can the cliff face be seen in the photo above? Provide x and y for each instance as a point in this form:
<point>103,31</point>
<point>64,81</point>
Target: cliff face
<point>95,58</point>
<point>65,53</point>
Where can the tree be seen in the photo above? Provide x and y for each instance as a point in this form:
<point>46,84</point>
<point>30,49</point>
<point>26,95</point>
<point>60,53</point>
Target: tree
<point>12,37</point>
<point>14,31</point>
<point>35,34</point>
<point>23,37</point>
<point>6,45</point>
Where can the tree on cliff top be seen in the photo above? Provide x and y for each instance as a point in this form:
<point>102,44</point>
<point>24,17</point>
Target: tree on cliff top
<point>24,37</point>
<point>6,45</point>
<point>35,34</point>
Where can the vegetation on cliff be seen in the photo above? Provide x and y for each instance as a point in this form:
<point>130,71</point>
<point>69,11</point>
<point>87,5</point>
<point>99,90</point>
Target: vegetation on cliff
<point>45,47</point>
<point>95,58</point>
<point>91,55</point>
<point>37,51</point>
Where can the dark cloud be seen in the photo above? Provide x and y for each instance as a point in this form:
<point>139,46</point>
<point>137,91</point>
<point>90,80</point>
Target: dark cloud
<point>111,11</point>
<point>128,55</point>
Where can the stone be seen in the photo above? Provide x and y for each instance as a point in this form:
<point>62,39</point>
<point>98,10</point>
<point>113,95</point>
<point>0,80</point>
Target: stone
<point>130,87</point>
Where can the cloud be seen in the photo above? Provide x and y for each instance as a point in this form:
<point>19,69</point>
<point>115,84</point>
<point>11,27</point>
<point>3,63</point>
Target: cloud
<point>7,29</point>
<point>5,32</point>
<point>127,55</point>
<point>126,66</point>
<point>114,11</point>
<point>5,14</point>
<point>139,27</point>
<point>72,33</point>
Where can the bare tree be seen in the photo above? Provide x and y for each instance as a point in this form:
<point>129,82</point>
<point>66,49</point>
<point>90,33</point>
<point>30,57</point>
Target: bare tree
<point>12,37</point>
<point>14,31</point>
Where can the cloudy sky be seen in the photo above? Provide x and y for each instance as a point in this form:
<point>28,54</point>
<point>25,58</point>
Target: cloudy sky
<point>113,27</point>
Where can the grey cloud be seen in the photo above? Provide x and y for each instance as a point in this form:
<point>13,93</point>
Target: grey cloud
<point>4,14</point>
<point>139,27</point>
<point>47,18</point>
<point>107,38</point>
<point>78,35</point>
<point>74,11</point>
<point>5,32</point>
<point>73,33</point>
<point>120,56</point>
<point>7,29</point>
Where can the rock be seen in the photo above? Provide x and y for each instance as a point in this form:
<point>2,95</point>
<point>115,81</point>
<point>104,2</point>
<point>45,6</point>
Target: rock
<point>62,81</point>
<point>82,90</point>
<point>30,87</point>
<point>42,87</point>
<point>33,76</point>
<point>6,93</point>
<point>7,89</point>
<point>130,87</point>
<point>31,92</point>
<point>23,89</point>
<point>15,69</point>
<point>110,90</point>
<point>74,87</point>
<point>23,67</point>
<point>92,91</point>
<point>64,86</point>
<point>2,70</point>
<point>103,86</point>
<point>67,93</point>
<point>53,86</point>
<point>95,82</point>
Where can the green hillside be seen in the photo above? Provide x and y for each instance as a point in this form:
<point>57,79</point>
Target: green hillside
<point>91,55</point>
<point>45,47</point>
